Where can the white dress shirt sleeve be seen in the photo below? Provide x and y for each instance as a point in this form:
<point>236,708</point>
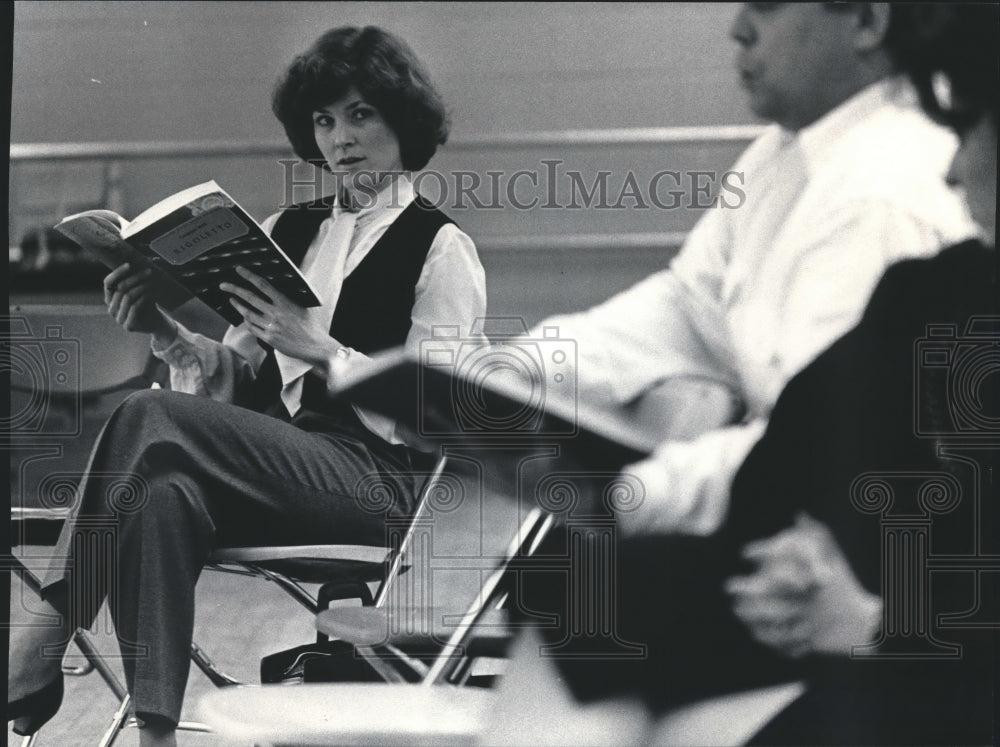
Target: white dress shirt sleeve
<point>201,365</point>
<point>668,325</point>
<point>828,280</point>
<point>687,484</point>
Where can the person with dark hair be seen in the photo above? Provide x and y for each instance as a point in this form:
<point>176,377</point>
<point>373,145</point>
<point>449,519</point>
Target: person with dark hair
<point>387,75</point>
<point>264,456</point>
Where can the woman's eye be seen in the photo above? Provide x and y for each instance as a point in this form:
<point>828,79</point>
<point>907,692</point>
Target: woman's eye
<point>323,121</point>
<point>360,114</point>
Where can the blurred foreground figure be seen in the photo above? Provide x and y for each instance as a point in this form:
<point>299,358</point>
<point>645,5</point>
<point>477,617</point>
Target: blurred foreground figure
<point>848,180</point>
<point>878,462</point>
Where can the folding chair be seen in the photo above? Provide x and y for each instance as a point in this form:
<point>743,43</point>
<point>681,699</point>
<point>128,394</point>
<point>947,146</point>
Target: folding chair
<point>343,572</point>
<point>531,706</point>
<point>64,358</point>
<point>480,631</point>
<point>371,713</point>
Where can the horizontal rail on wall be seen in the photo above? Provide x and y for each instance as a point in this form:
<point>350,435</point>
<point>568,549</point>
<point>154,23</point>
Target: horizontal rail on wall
<point>577,138</point>
<point>177,149</point>
<point>621,136</point>
<point>667,241</point>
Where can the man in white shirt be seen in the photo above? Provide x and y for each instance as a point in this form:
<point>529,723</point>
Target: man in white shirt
<point>847,181</point>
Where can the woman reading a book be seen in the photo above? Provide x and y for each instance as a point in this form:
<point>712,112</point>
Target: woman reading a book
<point>263,456</point>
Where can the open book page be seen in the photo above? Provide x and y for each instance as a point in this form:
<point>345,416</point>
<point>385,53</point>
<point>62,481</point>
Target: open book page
<point>165,207</point>
<point>194,240</point>
<point>99,233</point>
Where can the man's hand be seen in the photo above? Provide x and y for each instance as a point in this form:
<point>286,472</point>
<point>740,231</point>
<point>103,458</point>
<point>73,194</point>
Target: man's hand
<point>280,322</point>
<point>128,294</point>
<point>804,598</point>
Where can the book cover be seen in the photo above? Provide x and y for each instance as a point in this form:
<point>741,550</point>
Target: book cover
<point>194,240</point>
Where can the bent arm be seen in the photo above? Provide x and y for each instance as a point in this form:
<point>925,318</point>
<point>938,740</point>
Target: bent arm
<point>669,325</point>
<point>688,483</point>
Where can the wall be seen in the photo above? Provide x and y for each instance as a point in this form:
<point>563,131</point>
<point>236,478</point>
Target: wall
<point>201,70</point>
<point>152,71</point>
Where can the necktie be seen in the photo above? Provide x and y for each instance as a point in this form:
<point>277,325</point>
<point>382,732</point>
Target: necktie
<point>325,273</point>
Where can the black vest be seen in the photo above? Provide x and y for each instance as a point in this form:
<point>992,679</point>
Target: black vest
<point>376,299</point>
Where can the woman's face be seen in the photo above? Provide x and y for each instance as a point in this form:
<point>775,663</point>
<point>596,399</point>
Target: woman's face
<point>357,144</point>
<point>974,171</point>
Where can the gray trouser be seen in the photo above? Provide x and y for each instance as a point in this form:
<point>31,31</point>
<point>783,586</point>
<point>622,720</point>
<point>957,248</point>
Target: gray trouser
<point>173,476</point>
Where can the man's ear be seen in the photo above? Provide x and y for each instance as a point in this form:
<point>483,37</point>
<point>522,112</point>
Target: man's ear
<point>872,26</point>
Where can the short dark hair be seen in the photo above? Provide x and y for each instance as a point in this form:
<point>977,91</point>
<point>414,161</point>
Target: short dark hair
<point>960,41</point>
<point>384,71</point>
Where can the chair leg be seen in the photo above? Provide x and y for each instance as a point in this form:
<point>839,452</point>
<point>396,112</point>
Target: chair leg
<point>121,720</point>
<point>96,661</point>
<point>210,670</point>
<point>117,723</point>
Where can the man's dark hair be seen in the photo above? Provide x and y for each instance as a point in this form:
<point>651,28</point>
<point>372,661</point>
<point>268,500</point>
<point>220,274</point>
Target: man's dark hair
<point>384,71</point>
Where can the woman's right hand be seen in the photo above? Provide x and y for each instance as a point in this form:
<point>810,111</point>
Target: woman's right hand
<point>129,298</point>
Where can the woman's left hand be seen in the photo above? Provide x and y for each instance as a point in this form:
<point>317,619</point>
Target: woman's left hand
<point>284,325</point>
<point>803,597</point>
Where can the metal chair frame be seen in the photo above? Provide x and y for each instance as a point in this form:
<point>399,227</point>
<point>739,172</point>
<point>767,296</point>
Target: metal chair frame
<point>444,675</point>
<point>253,561</point>
<point>451,664</point>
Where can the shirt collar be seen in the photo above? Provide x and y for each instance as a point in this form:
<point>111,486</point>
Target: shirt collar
<point>814,139</point>
<point>393,198</point>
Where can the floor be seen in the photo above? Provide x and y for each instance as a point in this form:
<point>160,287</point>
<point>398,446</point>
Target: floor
<point>240,619</point>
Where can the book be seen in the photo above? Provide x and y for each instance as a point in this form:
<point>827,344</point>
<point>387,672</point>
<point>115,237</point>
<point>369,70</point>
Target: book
<point>441,402</point>
<point>534,438</point>
<point>194,240</point>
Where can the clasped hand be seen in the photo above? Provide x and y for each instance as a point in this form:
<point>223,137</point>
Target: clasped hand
<point>280,322</point>
<point>803,597</point>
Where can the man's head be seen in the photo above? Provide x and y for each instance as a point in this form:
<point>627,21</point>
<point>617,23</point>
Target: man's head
<point>797,61</point>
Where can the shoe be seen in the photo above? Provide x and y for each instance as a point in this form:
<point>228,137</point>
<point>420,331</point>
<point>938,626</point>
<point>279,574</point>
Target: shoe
<point>33,711</point>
